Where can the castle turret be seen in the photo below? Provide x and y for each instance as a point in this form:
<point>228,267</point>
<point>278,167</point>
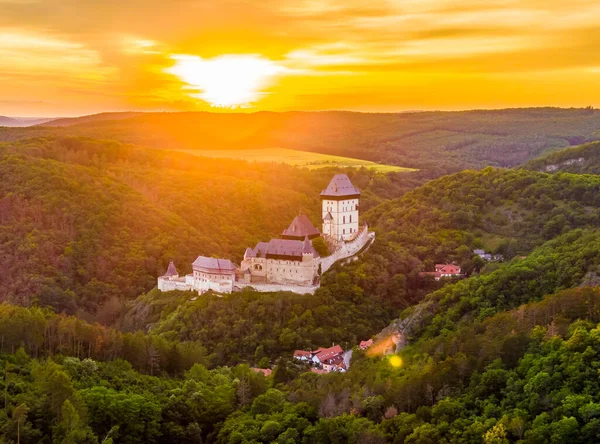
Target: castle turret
<point>171,271</point>
<point>340,201</point>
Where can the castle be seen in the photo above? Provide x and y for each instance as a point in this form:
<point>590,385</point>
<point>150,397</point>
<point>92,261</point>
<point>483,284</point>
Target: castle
<point>291,261</point>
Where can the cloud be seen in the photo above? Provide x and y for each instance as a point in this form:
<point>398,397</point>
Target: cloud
<point>66,50</point>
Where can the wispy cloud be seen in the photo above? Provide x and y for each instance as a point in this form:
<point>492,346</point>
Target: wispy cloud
<point>68,51</point>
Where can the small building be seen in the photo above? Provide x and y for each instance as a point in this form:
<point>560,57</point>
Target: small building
<point>326,359</point>
<point>365,344</point>
<point>303,355</point>
<point>321,355</point>
<point>488,256</point>
<point>443,271</point>
<point>264,371</point>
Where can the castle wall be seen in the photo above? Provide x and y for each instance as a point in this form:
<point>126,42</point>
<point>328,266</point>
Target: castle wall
<point>269,288</point>
<point>347,249</point>
<point>173,283</point>
<point>221,282</point>
<point>292,272</point>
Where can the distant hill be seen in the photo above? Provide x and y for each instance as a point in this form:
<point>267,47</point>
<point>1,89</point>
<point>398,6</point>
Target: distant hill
<point>21,121</point>
<point>435,141</point>
<point>68,121</point>
<point>584,159</point>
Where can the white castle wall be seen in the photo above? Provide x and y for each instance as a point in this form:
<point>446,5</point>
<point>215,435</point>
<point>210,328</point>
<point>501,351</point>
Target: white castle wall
<point>188,283</point>
<point>269,288</point>
<point>347,249</point>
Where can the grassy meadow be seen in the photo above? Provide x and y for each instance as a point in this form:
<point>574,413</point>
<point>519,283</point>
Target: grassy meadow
<point>297,158</point>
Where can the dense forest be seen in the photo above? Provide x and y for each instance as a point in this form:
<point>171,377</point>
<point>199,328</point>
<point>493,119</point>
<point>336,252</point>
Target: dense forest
<point>91,352</point>
<point>440,142</point>
<point>584,159</point>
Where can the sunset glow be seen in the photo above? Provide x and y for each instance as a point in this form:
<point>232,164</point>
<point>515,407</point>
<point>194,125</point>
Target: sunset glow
<point>65,58</point>
<point>228,81</point>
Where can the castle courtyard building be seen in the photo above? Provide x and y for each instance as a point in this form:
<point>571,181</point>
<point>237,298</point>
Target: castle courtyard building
<point>281,261</point>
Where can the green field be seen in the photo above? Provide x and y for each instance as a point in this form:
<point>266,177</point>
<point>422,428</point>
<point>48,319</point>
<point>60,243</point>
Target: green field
<point>297,158</point>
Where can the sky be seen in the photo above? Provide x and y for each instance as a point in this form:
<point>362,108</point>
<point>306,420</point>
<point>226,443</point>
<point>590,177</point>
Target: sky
<point>75,57</point>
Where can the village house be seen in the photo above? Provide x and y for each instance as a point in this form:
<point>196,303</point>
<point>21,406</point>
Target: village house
<point>488,256</point>
<point>264,371</point>
<point>328,359</point>
<point>443,271</point>
<point>365,344</point>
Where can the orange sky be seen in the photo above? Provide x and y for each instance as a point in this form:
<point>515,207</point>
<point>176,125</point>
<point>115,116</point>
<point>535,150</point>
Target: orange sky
<point>72,57</point>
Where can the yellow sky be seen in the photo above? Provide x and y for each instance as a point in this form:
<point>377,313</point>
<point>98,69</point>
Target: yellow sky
<point>73,57</point>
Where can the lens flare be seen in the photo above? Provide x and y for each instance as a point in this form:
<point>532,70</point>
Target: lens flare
<point>395,361</point>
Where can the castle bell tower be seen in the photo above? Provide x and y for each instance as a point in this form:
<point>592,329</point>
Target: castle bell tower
<point>340,202</point>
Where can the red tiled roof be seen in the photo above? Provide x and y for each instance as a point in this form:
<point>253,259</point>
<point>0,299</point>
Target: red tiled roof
<point>318,371</point>
<point>264,371</point>
<point>366,344</point>
<point>323,354</point>
<point>447,268</point>
<point>302,353</point>
<point>334,360</point>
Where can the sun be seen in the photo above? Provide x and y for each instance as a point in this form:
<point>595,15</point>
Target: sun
<point>228,81</point>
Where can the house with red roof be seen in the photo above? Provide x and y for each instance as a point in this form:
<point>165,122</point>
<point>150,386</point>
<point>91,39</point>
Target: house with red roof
<point>264,371</point>
<point>443,271</point>
<point>328,359</point>
<point>302,355</point>
<point>365,344</point>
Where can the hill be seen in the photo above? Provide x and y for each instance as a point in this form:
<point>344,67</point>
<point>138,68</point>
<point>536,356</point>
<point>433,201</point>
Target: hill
<point>441,142</point>
<point>516,210</point>
<point>88,224</point>
<point>508,353</point>
<point>584,159</point>
<point>21,121</point>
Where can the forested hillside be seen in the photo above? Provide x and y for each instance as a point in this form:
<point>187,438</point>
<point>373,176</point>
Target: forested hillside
<point>508,354</point>
<point>89,224</point>
<point>514,211</point>
<point>584,159</point>
<point>438,141</point>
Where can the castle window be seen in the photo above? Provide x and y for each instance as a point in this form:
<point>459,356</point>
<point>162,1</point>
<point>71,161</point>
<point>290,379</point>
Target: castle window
<point>344,219</point>
<point>344,231</point>
<point>356,207</point>
<point>350,221</point>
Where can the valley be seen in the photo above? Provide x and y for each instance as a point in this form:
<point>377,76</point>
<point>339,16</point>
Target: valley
<point>88,223</point>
